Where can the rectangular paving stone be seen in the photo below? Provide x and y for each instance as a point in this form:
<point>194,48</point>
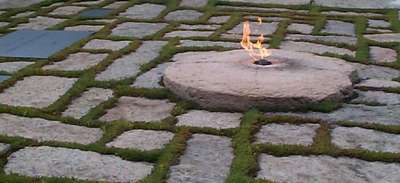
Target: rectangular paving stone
<point>38,44</point>
<point>377,84</point>
<point>46,161</point>
<point>152,78</point>
<point>12,67</point>
<point>43,130</point>
<point>77,62</point>
<point>364,4</point>
<point>186,34</point>
<point>256,29</point>
<point>183,15</point>
<point>88,28</point>
<point>40,23</point>
<point>391,37</point>
<point>339,27</point>
<point>193,3</point>
<point>376,98</point>
<point>199,27</point>
<point>302,28</point>
<point>4,148</point>
<point>382,55</point>
<point>191,43</point>
<point>219,19</point>
<point>116,4</point>
<point>143,11</point>
<point>67,10</point>
<point>329,39</point>
<point>95,13</point>
<point>205,119</point>
<point>314,48</point>
<point>106,44</point>
<point>137,29</point>
<point>287,134</point>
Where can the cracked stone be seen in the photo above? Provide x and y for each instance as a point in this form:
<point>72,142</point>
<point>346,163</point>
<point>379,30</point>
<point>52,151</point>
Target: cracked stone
<point>12,67</point>
<point>183,15</point>
<point>99,44</point>
<point>152,78</point>
<point>314,48</point>
<point>339,27</point>
<point>382,55</point>
<point>137,29</point>
<point>77,62</point>
<point>205,119</point>
<point>287,134</point>
<point>143,11</point>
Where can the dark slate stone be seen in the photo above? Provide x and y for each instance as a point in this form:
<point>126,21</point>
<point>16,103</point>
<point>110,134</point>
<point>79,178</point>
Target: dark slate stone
<point>38,43</point>
<point>95,13</point>
<point>4,77</point>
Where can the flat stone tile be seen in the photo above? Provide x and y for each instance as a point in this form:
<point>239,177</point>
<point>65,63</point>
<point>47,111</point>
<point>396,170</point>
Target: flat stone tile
<point>40,23</point>
<point>378,30</point>
<point>4,148</point>
<point>77,62</point>
<point>136,29</point>
<point>3,24</point>
<point>145,140</point>
<point>152,78</point>
<point>205,119</point>
<point>88,2</point>
<point>23,14</point>
<point>193,3</point>
<point>12,67</point>
<point>377,84</point>
<point>139,109</point>
<point>46,161</point>
<point>186,34</point>
<point>287,134</point>
<point>199,27</point>
<point>191,43</point>
<point>183,15</point>
<point>89,28</point>
<point>17,3</point>
<point>375,72</point>
<point>378,23</point>
<point>257,29</point>
<point>382,55</point>
<point>363,4</point>
<point>349,13</point>
<point>38,44</point>
<point>67,10</point>
<point>143,11</point>
<point>95,13</point>
<point>339,27</point>
<point>301,28</point>
<point>393,37</point>
<point>116,4</point>
<point>207,158</point>
<point>238,37</point>
<point>219,19</point>
<point>36,91</point>
<point>43,130</point>
<point>330,39</point>
<point>377,97</point>
<point>98,44</point>
<point>87,101</point>
<point>325,169</point>
<point>284,2</point>
<point>314,48</point>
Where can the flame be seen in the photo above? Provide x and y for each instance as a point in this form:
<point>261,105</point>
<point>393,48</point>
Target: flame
<point>255,50</point>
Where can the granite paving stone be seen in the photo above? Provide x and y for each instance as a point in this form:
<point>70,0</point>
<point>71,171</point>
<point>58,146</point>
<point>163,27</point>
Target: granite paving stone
<point>349,13</point>
<point>382,55</point>
<point>143,11</point>
<point>219,19</point>
<point>137,29</point>
<point>287,134</point>
<point>18,3</point>
<point>23,14</point>
<point>91,2</point>
<point>4,148</point>
<point>257,29</point>
<point>191,43</point>
<point>284,2</point>
<point>116,4</point>
<point>378,30</point>
<point>67,10</point>
<point>339,27</point>
<point>91,28</point>
<point>392,37</point>
<point>301,28</point>
<point>183,15</point>
<point>378,23</point>
<point>205,119</point>
<point>98,44</point>
<point>377,98</point>
<point>199,27</point>
<point>377,84</point>
<point>375,72</point>
<point>95,13</point>
<point>12,67</point>
<point>314,48</point>
<point>360,4</point>
<point>77,62</point>
<point>186,34</point>
<point>152,78</point>
<point>329,39</point>
<point>194,3</point>
<point>40,23</point>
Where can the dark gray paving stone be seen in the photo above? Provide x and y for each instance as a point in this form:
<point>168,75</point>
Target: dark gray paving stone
<point>95,13</point>
<point>38,44</point>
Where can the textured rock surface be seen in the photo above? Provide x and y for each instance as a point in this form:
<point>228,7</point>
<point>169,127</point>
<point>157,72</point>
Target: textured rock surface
<point>339,27</point>
<point>139,109</point>
<point>287,134</point>
<point>325,169</point>
<point>218,120</point>
<point>17,3</point>
<point>199,27</point>
<point>143,11</point>
<point>152,78</point>
<point>191,43</point>
<point>302,28</point>
<point>377,97</point>
<point>330,39</point>
<point>378,23</point>
<point>375,72</point>
<point>90,28</point>
<point>77,62</point>
<point>394,37</point>
<point>40,23</point>
<point>314,48</point>
<point>183,15</point>
<point>36,91</point>
<point>376,84</point>
<point>207,158</point>
<point>186,34</point>
<point>73,163</point>
<point>67,10</point>
<point>44,130</point>
<point>286,2</point>
<point>11,67</point>
<point>366,4</point>
<point>106,44</point>
<point>4,148</point>
<point>144,140</point>
<point>256,29</point>
<point>219,19</point>
<point>194,3</point>
<point>380,55</point>
<point>137,29</point>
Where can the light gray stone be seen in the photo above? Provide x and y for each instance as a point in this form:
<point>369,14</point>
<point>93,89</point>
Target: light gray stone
<point>186,34</point>
<point>191,43</point>
<point>363,4</point>
<point>88,100</point>
<point>378,23</point>
<point>325,169</point>
<point>256,29</point>
<point>67,10</point>
<point>382,55</point>
<point>36,91</point>
<point>256,9</point>
<point>183,15</point>
<point>116,4</point>
<point>152,78</point>
<point>219,19</point>
<point>12,67</point>
<point>23,14</point>
<point>287,134</point>
<point>4,148</point>
<point>137,29</point>
<point>139,109</point>
<point>392,37</point>
<point>207,158</point>
<point>46,161</point>
<point>143,11</point>
<point>377,97</point>
<point>355,138</point>
<point>302,28</point>
<point>339,27</point>
<point>145,140</point>
<point>349,13</point>
<point>374,84</point>
<point>193,3</point>
<point>3,24</point>
<point>40,23</point>
<point>284,2</point>
<point>77,62</point>
<point>199,27</point>
<point>330,39</point>
<point>43,130</point>
<point>91,28</point>
<point>17,3</point>
<point>91,2</point>
<point>239,37</point>
<point>99,44</point>
<point>205,119</point>
<point>314,48</point>
<point>375,72</point>
<point>378,30</point>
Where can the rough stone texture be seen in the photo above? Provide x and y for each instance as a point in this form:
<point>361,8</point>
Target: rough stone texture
<point>355,137</point>
<point>285,2</point>
<point>219,19</point>
<point>393,37</point>
<point>377,97</point>
<point>330,39</point>
<point>378,30</point>
<point>199,27</point>
<point>36,91</point>
<point>92,2</point>
<point>218,120</point>
<point>88,100</point>
<point>116,5</point>
<point>239,37</point>
<point>152,78</point>
<point>287,134</point>
<point>339,27</point>
<point>207,158</point>
<point>186,34</point>
<point>77,62</point>
<point>129,65</point>
<point>73,163</point>
<point>325,169</point>
<point>206,78</point>
<point>378,23</point>
<point>374,84</point>
<point>91,28</point>
<point>256,29</point>
<point>314,48</point>
<point>12,67</point>
<point>145,140</point>
<point>137,29</point>
<point>191,43</point>
<point>40,23</point>
<point>143,11</point>
<point>67,10</point>
<point>375,72</point>
<point>256,9</point>
<point>381,55</point>
<point>302,28</point>
<point>106,44</point>
<point>4,148</point>
<point>347,13</point>
<point>183,15</point>
<point>44,130</point>
<point>17,3</point>
<point>194,3</point>
<point>365,4</point>
<point>139,109</point>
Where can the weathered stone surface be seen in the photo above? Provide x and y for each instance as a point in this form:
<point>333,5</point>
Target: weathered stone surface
<point>206,78</point>
<point>199,27</point>
<point>145,140</point>
<point>364,4</point>
<point>4,148</point>
<point>77,62</point>
<point>378,23</point>
<point>325,169</point>
<point>330,39</point>
<point>355,137</point>
<point>92,2</point>
<point>67,10</point>
<point>129,65</point>
<point>88,100</point>
<point>239,37</point>
<point>183,15</point>
<point>314,48</point>
<point>40,23</point>
<point>219,19</point>
<point>186,34</point>
<point>257,9</point>
<point>17,3</point>
<point>139,109</point>
<point>84,165</point>
<point>256,29</point>
<point>191,43</point>
<point>349,13</point>
<point>44,130</point>
<point>36,91</point>
<point>375,72</point>
<point>378,30</point>
<point>3,24</point>
<point>381,55</point>
<point>393,37</point>
<point>106,44</point>
<point>23,14</point>
<point>374,84</point>
<point>339,27</point>
<point>143,11</point>
<point>377,97</point>
<point>287,134</point>
<point>116,4</point>
<point>12,67</point>
<point>194,3</point>
<point>285,2</point>
<point>137,29</point>
<point>207,158</point>
<point>302,28</point>
<point>218,120</point>
<point>152,78</point>
<point>91,28</point>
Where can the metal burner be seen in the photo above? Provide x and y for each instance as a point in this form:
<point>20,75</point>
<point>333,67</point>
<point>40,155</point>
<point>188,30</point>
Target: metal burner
<point>263,62</point>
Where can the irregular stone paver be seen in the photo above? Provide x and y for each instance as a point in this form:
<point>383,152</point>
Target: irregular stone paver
<point>355,137</point>
<point>152,78</point>
<point>239,37</point>
<point>186,34</point>
<point>381,55</point>
<point>17,3</point>
<point>347,13</point>
<point>143,11</point>
<point>45,130</point>
<point>325,169</point>
<point>257,29</point>
<point>314,48</point>
<point>88,100</point>
<point>99,44</point>
<point>285,2</point>
<point>287,134</point>
<point>377,97</point>
<point>67,10</point>
<point>145,140</point>
<point>339,27</point>
<point>139,109</point>
<point>4,148</point>
<point>116,5</point>
<point>330,39</point>
<point>393,37</point>
<point>378,84</point>
<point>365,4</point>
<point>36,91</point>
<point>218,120</point>
<point>378,30</point>
<point>12,67</point>
<point>3,24</point>
<point>378,23</point>
<point>91,28</point>
<point>194,3</point>
<point>88,2</point>
<point>375,72</point>
<point>219,19</point>
<point>199,27</point>
<point>183,15</point>
<point>40,23</point>
<point>137,29</point>
<point>302,28</point>
<point>207,158</point>
<point>191,43</point>
<point>77,62</point>
<point>73,163</point>
<point>129,65</point>
<point>257,9</point>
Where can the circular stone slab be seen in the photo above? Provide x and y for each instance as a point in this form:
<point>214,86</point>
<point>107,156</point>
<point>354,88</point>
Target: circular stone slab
<point>229,80</point>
